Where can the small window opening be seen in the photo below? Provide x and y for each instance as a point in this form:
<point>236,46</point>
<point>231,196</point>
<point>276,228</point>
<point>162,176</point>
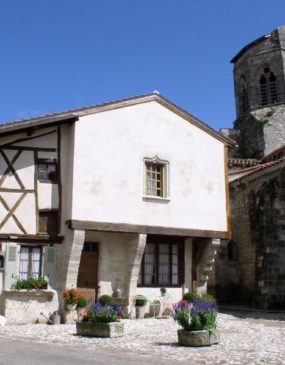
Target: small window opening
<point>232,251</point>
<point>268,88</point>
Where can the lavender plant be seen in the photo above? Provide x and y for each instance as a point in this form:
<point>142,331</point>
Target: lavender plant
<point>103,313</point>
<point>196,315</point>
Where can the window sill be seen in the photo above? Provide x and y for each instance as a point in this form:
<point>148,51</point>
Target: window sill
<point>155,199</point>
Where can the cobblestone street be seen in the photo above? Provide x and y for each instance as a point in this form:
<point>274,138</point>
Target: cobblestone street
<point>246,338</point>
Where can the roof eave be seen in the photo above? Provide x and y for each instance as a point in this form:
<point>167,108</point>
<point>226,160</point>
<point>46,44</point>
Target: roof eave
<point>76,113</point>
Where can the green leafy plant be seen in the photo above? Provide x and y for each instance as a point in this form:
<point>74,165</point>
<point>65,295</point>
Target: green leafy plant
<point>30,284</point>
<point>140,301</point>
<point>209,297</point>
<point>189,297</point>
<point>197,315</point>
<point>163,291</point>
<point>105,299</point>
<point>82,302</point>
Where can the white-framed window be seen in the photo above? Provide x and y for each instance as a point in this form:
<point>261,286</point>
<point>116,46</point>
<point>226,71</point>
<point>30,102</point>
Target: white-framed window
<point>156,175</point>
<point>30,262</point>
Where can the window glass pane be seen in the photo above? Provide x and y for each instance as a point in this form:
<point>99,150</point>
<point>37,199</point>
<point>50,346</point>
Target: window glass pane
<point>47,171</point>
<point>174,268</point>
<point>149,265</point>
<point>163,269</point>
<point>24,263</point>
<point>154,179</point>
<point>174,279</point>
<point>36,260</point>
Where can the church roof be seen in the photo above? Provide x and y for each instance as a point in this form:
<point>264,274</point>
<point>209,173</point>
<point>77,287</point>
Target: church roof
<point>257,169</point>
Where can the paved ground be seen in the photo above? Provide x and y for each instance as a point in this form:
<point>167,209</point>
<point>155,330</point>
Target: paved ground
<point>246,339</point>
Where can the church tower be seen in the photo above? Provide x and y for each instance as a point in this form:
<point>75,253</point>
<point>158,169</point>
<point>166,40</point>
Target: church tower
<point>259,81</point>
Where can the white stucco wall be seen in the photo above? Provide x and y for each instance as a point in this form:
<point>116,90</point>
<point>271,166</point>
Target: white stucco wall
<point>48,196</point>
<point>108,174</point>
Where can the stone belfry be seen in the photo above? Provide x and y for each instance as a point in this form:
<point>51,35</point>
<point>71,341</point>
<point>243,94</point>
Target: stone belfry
<point>259,81</point>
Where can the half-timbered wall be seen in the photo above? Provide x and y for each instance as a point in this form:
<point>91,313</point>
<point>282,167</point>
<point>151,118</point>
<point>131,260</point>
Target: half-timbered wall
<point>21,195</point>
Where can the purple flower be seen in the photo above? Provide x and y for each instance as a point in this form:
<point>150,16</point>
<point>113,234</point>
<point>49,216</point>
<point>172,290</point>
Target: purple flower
<point>200,305</point>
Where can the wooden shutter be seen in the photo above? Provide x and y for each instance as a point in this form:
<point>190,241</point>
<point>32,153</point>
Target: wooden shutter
<point>49,265</point>
<point>11,264</point>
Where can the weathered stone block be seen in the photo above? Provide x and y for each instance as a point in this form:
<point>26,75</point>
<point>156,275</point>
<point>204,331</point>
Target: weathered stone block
<point>96,329</point>
<point>198,338</point>
<point>29,306</point>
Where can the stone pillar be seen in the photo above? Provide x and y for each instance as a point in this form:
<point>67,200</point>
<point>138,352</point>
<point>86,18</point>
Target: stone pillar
<point>68,258</point>
<point>188,265</point>
<point>205,264</point>
<point>135,267</point>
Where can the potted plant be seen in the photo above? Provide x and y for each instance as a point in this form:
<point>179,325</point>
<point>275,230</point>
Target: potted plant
<point>71,297</point>
<point>163,291</point>
<point>30,284</point>
<point>29,301</point>
<point>140,303</point>
<point>101,320</point>
<point>198,320</point>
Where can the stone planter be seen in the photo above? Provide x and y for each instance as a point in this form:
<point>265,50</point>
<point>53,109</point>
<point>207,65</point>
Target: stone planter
<point>198,338</point>
<point>28,306</point>
<point>96,329</point>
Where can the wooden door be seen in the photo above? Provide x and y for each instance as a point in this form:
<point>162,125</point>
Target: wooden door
<point>87,281</point>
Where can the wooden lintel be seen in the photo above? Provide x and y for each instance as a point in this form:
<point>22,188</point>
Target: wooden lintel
<point>135,228</point>
<point>36,239</point>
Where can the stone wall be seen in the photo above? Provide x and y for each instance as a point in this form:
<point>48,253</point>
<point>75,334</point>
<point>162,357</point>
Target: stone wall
<point>28,306</point>
<point>258,221</point>
<point>260,132</point>
<point>266,53</point>
<point>261,127</point>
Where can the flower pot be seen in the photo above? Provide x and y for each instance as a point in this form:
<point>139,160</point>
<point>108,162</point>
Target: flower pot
<point>70,307</point>
<point>198,338</point>
<point>97,329</point>
<point>140,312</point>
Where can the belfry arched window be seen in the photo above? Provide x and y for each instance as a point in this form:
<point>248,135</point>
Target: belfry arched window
<point>1,262</point>
<point>268,87</point>
<point>243,92</point>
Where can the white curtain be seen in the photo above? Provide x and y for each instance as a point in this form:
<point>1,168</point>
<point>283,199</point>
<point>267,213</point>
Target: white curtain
<point>36,260</point>
<point>149,264</point>
<point>163,269</point>
<point>24,263</point>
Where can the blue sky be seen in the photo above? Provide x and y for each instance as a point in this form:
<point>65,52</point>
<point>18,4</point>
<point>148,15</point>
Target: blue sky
<point>62,54</point>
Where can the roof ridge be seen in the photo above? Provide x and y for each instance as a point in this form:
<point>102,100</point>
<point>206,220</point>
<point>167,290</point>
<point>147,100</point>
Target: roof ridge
<point>82,108</point>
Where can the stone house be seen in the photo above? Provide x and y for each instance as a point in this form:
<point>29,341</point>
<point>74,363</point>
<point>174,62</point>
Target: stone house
<point>254,260</point>
<point>117,195</point>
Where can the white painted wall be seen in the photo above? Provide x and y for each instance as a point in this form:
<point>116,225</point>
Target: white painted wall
<point>109,150</point>
<point>48,196</point>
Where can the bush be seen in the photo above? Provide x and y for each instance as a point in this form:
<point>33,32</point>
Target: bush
<point>30,284</point>
<point>140,301</point>
<point>102,313</point>
<point>189,297</point>
<point>209,298</point>
<point>82,302</point>
<point>105,299</point>
<point>197,315</point>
